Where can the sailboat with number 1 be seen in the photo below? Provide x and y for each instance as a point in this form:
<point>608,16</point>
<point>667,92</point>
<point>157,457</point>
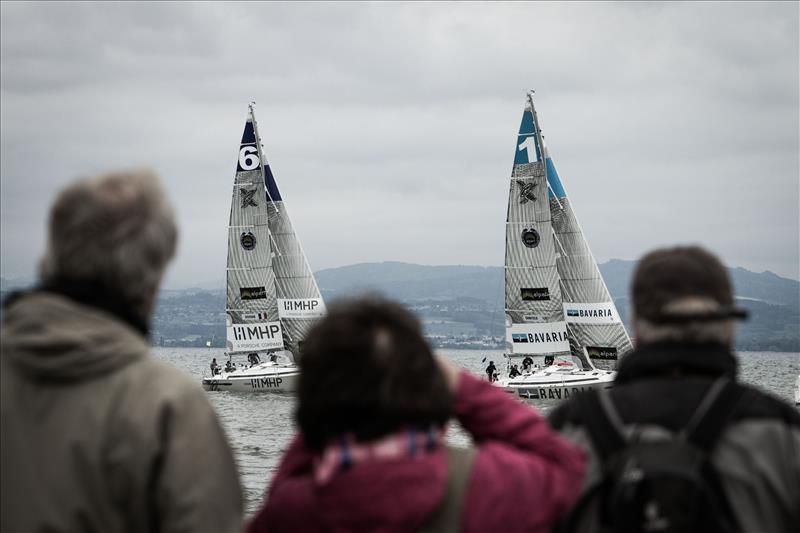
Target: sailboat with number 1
<point>563,331</point>
<point>272,296</point>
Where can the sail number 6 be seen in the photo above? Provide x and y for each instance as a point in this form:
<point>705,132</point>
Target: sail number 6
<point>248,158</point>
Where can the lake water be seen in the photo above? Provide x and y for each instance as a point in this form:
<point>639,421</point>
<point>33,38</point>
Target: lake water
<point>259,426</point>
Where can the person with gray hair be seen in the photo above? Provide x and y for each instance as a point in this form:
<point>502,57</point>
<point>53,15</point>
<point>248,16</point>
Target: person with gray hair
<point>96,434</point>
<point>676,395</point>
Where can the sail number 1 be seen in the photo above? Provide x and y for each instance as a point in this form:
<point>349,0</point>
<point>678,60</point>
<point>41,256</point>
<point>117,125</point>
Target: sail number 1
<point>248,158</point>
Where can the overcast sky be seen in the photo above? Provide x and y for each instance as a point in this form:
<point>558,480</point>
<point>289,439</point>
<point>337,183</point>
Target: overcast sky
<point>391,127</point>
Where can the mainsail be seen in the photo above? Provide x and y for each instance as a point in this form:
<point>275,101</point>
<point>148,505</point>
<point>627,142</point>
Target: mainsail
<point>272,297</point>
<point>556,300</point>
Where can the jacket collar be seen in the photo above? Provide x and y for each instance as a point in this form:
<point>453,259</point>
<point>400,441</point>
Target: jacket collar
<point>665,358</point>
<point>93,294</point>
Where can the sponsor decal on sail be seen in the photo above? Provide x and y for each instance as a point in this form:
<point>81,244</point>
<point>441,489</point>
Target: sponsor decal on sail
<point>248,197</point>
<point>253,293</point>
<point>607,353</point>
<point>247,240</point>
<point>530,238</point>
<point>591,313</point>
<point>301,307</point>
<point>534,294</point>
<point>526,193</point>
<point>255,316</point>
<point>538,338</point>
<point>253,337</point>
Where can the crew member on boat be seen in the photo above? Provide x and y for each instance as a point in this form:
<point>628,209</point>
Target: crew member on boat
<point>491,371</point>
<point>253,359</point>
<point>548,360</point>
<point>514,372</point>
<point>229,366</point>
<point>214,367</point>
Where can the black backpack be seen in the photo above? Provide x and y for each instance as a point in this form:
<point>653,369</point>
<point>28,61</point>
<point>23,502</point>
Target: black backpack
<point>654,480</point>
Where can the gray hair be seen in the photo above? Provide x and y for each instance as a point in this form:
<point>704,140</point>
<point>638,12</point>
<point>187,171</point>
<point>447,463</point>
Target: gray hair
<point>117,230</point>
<point>721,331</point>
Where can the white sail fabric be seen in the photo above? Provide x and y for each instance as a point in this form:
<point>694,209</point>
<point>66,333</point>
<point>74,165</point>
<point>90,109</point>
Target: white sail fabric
<point>553,284</point>
<point>272,297</point>
<point>534,313</point>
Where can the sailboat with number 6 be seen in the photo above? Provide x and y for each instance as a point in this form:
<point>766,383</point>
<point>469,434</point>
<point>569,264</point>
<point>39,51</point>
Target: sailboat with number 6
<point>563,331</point>
<point>272,296</point>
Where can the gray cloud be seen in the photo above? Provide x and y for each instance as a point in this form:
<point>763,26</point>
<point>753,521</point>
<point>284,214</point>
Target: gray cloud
<point>390,126</point>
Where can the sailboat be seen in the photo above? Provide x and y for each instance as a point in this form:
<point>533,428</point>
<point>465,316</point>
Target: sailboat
<point>272,296</point>
<point>562,327</point>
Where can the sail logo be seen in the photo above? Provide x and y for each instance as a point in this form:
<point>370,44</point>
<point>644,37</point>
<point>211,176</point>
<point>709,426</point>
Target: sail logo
<point>556,336</point>
<point>591,313</point>
<point>301,308</point>
<point>602,313</point>
<point>253,337</point>
<point>534,295</point>
<point>248,198</point>
<point>540,338</point>
<point>253,293</point>
<point>255,316</point>
<point>526,193</point>
<point>608,353</point>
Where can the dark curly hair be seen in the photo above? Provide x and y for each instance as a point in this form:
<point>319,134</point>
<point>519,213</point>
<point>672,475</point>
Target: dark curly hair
<point>366,369</point>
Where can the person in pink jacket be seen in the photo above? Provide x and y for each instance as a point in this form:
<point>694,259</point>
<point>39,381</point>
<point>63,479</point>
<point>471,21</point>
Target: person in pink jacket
<point>373,402</point>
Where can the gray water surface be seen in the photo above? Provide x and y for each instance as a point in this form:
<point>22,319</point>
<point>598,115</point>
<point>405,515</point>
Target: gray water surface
<point>259,426</point>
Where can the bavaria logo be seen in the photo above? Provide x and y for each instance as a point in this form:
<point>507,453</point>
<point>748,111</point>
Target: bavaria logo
<point>519,337</point>
<point>590,313</point>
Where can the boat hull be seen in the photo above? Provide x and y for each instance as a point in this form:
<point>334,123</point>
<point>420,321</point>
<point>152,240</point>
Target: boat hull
<point>280,379</point>
<point>556,386</point>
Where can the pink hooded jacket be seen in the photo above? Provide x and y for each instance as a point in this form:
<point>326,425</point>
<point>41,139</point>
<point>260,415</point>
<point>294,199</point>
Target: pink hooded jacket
<point>524,476</point>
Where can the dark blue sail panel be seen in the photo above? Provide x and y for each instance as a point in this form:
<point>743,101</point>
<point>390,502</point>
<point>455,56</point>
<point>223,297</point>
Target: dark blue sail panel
<point>556,189</point>
<point>249,135</point>
<point>272,188</point>
<point>527,142</point>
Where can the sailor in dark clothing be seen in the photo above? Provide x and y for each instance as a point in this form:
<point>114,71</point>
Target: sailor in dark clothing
<point>229,366</point>
<point>214,367</point>
<point>548,360</point>
<point>491,371</point>
<point>514,371</point>
<point>253,359</point>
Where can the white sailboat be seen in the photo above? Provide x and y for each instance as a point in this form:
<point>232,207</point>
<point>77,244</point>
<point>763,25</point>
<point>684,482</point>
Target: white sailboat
<point>272,296</point>
<point>563,332</point>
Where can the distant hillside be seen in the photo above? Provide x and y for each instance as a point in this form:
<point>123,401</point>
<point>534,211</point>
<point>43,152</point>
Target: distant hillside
<point>773,301</point>
<point>465,303</point>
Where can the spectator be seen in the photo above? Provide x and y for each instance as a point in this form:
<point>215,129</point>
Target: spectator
<point>96,434</point>
<point>372,405</point>
<point>683,319</point>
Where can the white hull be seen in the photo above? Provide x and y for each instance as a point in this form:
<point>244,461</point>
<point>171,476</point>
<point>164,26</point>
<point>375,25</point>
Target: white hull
<point>266,377</point>
<point>552,383</point>
<point>797,391</point>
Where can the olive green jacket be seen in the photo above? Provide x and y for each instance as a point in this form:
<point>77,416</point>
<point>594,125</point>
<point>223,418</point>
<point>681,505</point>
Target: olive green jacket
<point>99,436</point>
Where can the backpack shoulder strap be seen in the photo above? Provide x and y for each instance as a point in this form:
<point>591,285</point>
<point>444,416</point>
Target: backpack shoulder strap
<point>602,421</point>
<point>447,517</point>
<point>713,413</point>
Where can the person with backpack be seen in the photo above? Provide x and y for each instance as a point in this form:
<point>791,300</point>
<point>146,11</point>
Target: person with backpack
<point>371,455</point>
<point>679,444</point>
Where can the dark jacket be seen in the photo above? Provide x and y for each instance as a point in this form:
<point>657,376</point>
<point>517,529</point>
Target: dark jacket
<point>522,477</point>
<point>757,456</point>
<point>99,436</point>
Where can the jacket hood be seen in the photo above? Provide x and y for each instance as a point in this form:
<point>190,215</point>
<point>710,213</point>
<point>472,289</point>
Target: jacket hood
<point>51,337</point>
<point>657,359</point>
